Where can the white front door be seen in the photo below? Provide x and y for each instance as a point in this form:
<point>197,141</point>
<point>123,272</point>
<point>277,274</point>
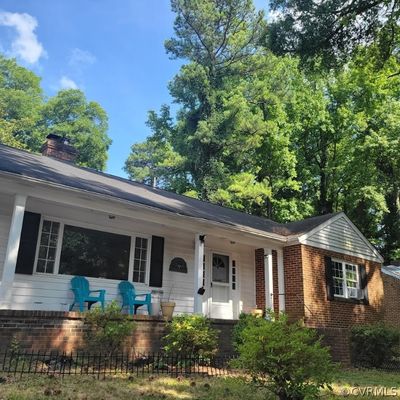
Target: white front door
<point>220,299</point>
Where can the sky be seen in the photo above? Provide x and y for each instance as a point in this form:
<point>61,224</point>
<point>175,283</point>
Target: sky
<point>112,50</point>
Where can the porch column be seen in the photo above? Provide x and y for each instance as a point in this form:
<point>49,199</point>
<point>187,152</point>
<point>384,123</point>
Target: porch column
<point>198,272</point>
<point>10,261</point>
<point>281,280</point>
<point>269,279</point>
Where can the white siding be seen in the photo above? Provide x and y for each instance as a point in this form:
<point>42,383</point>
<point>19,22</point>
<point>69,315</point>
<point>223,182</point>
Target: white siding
<point>52,292</point>
<point>340,236</point>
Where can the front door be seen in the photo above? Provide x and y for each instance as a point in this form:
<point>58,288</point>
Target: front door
<point>220,287</point>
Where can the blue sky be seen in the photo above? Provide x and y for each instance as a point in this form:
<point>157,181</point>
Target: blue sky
<point>112,50</point>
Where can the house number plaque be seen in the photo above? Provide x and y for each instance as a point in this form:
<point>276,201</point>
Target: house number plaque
<point>178,265</point>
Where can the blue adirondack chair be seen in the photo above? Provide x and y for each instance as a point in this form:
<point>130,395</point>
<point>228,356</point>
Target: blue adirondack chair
<point>129,298</point>
<point>80,287</point>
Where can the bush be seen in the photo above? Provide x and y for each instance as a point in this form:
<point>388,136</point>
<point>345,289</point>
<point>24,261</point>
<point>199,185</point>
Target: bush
<point>191,335</point>
<point>373,345</point>
<point>288,359</point>
<point>107,329</point>
<point>244,321</point>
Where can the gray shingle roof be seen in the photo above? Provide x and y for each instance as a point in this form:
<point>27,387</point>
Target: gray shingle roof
<point>47,169</point>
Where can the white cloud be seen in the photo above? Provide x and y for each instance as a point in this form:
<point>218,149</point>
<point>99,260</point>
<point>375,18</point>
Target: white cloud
<point>67,83</point>
<point>26,44</point>
<point>80,58</point>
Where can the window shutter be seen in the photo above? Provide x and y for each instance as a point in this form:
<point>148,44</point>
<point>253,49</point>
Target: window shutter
<point>28,242</point>
<point>156,261</point>
<point>363,282</point>
<point>329,278</point>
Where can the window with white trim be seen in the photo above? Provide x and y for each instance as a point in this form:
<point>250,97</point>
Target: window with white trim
<point>345,279</point>
<point>47,246</point>
<point>81,250</point>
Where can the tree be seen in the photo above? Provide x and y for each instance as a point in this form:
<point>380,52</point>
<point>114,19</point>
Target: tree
<point>334,29</point>
<point>70,115</point>
<point>218,38</point>
<point>20,102</point>
<point>26,119</point>
<point>154,162</point>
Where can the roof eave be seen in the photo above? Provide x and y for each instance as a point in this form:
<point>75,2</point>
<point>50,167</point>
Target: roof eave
<point>237,228</point>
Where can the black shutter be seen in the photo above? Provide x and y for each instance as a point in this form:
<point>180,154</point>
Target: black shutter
<point>329,278</point>
<point>363,283</point>
<point>27,244</point>
<point>156,261</point>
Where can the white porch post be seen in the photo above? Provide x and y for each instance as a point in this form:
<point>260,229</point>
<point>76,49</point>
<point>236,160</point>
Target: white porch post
<point>198,272</point>
<point>281,280</point>
<point>10,260</point>
<point>269,279</point>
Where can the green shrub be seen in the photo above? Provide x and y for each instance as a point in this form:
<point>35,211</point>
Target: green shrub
<point>191,334</point>
<point>286,358</point>
<point>107,329</point>
<point>373,345</point>
<point>244,321</point>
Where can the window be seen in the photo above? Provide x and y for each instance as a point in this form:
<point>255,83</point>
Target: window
<point>48,246</point>
<point>75,250</point>
<point>345,279</point>
<point>233,275</point>
<point>93,253</point>
<point>140,260</point>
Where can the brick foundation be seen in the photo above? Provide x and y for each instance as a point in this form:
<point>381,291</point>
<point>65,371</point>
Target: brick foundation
<point>64,331</point>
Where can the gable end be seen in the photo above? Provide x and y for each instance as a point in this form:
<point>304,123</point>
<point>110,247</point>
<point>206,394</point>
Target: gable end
<point>340,235</point>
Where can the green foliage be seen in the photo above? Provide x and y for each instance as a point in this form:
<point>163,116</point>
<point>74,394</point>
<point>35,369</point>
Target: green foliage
<point>26,118</point>
<point>20,102</point>
<point>70,115</point>
<point>331,30</point>
<point>374,345</point>
<point>191,334</point>
<point>245,320</point>
<point>107,329</point>
<point>286,358</point>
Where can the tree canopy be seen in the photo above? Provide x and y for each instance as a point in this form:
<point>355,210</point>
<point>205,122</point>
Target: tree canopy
<point>256,131</point>
<point>27,117</point>
<point>334,29</point>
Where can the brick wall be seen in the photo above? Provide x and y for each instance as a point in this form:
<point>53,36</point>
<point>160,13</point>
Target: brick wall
<point>294,290</point>
<point>64,331</point>
<point>334,319</point>
<point>260,278</point>
<point>391,302</point>
<point>321,312</point>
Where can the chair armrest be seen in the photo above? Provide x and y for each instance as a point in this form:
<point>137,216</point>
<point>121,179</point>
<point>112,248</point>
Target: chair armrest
<point>97,291</point>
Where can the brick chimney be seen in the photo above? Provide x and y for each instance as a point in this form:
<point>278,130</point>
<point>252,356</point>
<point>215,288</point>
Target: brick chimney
<point>59,147</point>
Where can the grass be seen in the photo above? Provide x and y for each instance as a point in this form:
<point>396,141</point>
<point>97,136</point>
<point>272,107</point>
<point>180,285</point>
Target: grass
<point>88,388</point>
<point>352,383</point>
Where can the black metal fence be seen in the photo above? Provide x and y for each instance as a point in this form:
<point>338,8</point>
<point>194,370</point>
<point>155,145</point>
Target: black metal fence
<point>81,363</point>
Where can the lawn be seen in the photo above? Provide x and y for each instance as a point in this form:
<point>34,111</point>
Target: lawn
<point>155,388</point>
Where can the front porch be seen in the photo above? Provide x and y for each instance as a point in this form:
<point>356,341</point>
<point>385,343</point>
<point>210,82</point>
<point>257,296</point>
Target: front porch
<point>218,259</point>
